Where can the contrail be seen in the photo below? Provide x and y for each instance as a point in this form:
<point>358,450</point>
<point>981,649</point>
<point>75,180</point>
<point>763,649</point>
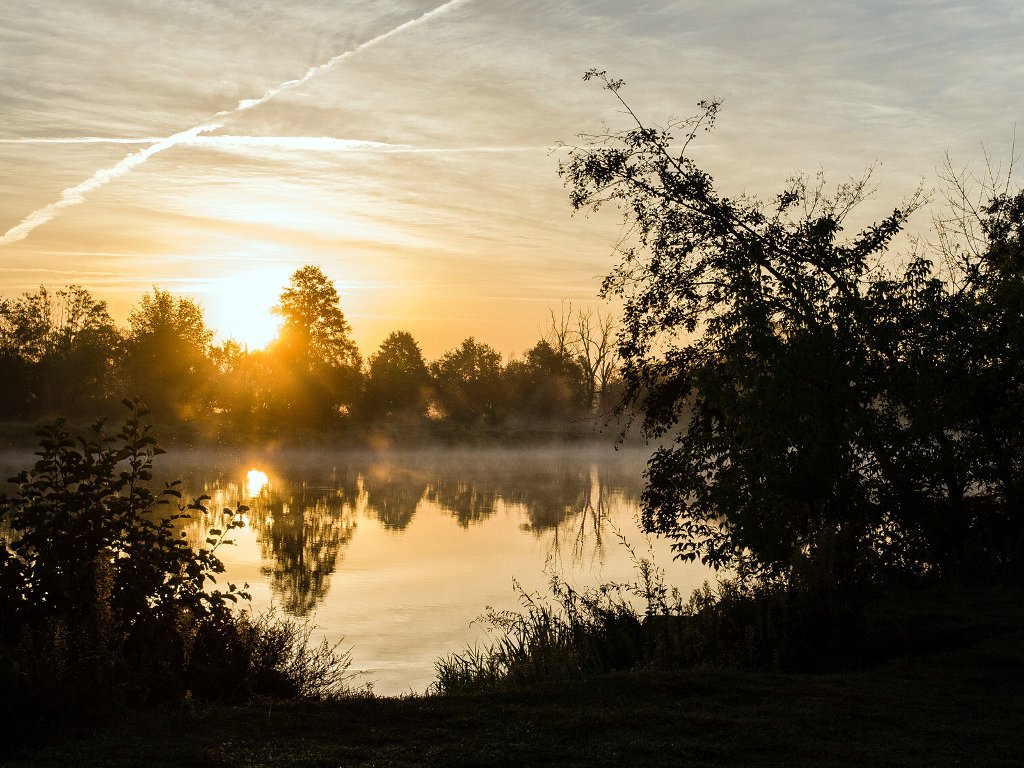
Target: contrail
<point>76,194</point>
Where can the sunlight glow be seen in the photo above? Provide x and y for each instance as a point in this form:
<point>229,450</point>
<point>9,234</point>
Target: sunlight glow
<point>239,307</point>
<point>256,481</point>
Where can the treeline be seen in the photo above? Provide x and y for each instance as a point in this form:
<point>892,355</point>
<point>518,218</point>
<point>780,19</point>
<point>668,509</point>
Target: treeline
<point>62,353</point>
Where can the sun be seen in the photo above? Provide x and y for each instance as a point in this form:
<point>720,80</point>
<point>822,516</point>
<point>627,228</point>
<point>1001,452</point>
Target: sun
<point>240,307</point>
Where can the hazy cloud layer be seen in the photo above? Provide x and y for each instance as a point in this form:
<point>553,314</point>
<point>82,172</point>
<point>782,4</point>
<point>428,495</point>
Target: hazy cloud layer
<point>418,174</point>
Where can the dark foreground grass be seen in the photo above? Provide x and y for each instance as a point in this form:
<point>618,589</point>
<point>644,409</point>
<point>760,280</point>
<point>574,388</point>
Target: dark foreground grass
<point>958,707</point>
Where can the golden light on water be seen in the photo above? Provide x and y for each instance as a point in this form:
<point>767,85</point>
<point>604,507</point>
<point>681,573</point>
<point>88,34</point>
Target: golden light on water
<point>255,481</point>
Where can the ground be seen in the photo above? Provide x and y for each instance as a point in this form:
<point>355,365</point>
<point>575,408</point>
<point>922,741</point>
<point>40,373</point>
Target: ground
<point>962,706</point>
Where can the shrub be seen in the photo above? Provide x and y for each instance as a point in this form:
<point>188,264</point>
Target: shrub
<point>104,600</point>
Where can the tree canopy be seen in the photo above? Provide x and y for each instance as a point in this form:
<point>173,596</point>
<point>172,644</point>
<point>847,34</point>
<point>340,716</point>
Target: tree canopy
<point>62,355</point>
<point>809,400</point>
<point>167,354</point>
<point>316,363</point>
<point>397,381</point>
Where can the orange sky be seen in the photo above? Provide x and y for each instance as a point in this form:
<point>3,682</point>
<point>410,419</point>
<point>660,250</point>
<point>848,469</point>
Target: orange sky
<point>407,147</point>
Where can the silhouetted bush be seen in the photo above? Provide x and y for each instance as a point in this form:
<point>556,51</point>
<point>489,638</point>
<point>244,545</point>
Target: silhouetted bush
<point>104,600</point>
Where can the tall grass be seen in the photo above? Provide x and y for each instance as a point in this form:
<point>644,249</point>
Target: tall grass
<point>271,655</point>
<point>741,621</point>
<point>567,634</point>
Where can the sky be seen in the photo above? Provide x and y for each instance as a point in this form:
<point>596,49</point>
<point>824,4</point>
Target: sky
<point>410,148</point>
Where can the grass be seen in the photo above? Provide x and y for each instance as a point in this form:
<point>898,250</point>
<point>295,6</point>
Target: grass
<point>960,704</point>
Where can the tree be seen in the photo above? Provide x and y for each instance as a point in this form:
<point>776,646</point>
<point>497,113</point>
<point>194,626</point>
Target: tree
<point>981,398</point>
<point>468,382</point>
<point>167,355</point>
<point>547,384</point>
<point>57,354</point>
<point>398,381</point>
<point>24,340</point>
<point>243,385</point>
<point>80,370</point>
<point>746,346</point>
<point>316,363</point>
<point>588,337</point>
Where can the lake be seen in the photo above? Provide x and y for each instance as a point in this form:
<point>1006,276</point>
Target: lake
<point>397,553</point>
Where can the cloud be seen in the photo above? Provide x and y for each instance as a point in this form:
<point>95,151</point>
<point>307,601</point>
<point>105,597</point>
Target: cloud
<point>80,140</point>
<point>76,194</point>
<point>299,143</point>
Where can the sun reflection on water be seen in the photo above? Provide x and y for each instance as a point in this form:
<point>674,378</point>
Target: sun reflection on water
<point>256,481</point>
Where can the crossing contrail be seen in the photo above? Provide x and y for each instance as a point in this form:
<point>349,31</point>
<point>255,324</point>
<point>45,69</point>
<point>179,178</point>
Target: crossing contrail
<point>76,194</point>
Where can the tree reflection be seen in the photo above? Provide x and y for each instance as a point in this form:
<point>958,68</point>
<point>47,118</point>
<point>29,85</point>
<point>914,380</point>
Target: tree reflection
<point>550,499</point>
<point>303,524</point>
<point>469,502</point>
<point>302,538</point>
<point>393,495</point>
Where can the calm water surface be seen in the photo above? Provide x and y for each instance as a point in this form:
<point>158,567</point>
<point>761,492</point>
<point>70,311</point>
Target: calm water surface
<point>398,553</point>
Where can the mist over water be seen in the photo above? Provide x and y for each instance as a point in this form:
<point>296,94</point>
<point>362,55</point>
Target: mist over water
<point>398,553</point>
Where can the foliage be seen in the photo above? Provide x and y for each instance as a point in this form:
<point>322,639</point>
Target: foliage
<point>56,354</point>
<point>95,575</point>
<point>398,381</point>
<point>468,382</point>
<point>587,337</point>
<point>285,663</point>
<point>818,411</point>
<point>167,354</point>
<point>62,353</point>
<point>547,385</point>
<point>267,655</point>
<point>315,328</point>
<point>571,635</point>
<point>315,363</point>
<point>578,634</point>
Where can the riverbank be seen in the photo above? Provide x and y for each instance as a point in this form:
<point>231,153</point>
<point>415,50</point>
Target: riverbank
<point>959,705</point>
<point>418,433</point>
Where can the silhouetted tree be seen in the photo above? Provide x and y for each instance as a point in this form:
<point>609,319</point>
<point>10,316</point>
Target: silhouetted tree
<point>24,339</point>
<point>587,336</point>
<point>314,359</point>
<point>57,355</point>
<point>80,369</point>
<point>547,385</point>
<point>244,385</point>
<point>982,359</point>
<point>745,343</point>
<point>97,588</point>
<point>398,381</point>
<point>468,382</point>
<point>167,355</point>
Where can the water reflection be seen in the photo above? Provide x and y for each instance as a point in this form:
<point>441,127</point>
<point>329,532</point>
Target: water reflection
<point>305,516</point>
<point>256,481</point>
<point>302,532</point>
<point>394,495</point>
<point>400,552</point>
<point>469,502</point>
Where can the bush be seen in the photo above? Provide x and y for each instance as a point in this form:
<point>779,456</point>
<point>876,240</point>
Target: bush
<point>105,601</point>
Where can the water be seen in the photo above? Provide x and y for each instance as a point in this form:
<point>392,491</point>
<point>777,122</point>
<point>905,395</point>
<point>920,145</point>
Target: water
<point>396,554</point>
